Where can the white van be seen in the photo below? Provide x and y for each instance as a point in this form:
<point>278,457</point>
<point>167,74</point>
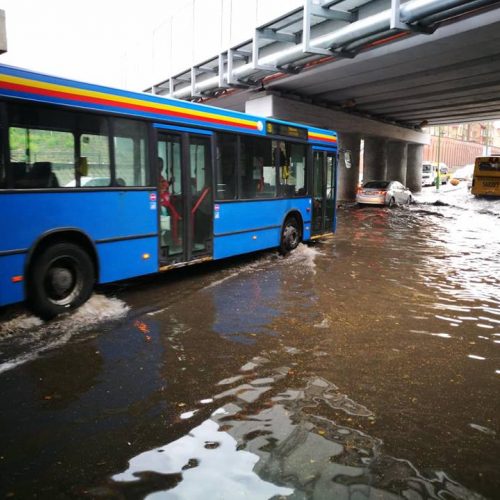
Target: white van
<point>429,173</point>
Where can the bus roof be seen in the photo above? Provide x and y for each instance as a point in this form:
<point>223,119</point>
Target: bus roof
<point>27,85</point>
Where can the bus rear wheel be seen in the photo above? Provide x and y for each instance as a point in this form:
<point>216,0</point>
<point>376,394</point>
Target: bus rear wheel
<point>290,235</point>
<point>61,278</point>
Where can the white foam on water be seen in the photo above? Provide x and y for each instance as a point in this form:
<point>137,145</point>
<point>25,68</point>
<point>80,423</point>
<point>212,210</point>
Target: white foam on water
<point>324,324</point>
<point>222,280</point>
<point>188,414</point>
<point>35,352</point>
<point>20,323</point>
<point>97,309</point>
<point>37,336</point>
<point>305,255</point>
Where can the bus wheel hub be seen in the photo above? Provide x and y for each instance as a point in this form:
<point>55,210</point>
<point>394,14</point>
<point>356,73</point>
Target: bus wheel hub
<point>61,281</point>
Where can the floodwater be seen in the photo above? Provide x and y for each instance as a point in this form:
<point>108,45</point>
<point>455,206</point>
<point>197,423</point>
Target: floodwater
<point>365,366</point>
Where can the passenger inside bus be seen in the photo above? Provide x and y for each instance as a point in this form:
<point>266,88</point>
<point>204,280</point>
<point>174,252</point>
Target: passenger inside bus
<point>170,223</point>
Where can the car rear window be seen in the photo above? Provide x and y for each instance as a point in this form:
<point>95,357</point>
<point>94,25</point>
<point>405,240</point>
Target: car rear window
<point>376,185</point>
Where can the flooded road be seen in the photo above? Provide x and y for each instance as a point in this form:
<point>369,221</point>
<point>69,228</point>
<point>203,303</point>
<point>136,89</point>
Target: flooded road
<point>365,366</point>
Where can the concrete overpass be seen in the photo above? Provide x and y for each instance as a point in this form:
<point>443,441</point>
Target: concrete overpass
<point>377,70</point>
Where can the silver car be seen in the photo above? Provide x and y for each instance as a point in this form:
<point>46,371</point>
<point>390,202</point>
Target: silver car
<point>389,193</point>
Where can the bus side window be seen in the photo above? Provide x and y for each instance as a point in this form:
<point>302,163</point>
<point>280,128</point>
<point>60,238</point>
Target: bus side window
<point>296,182</point>
<point>41,147</point>
<point>257,168</point>
<point>93,167</point>
<point>130,139</point>
<point>226,167</point>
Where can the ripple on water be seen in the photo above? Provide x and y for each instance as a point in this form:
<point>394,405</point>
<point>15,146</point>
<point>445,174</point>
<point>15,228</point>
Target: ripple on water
<point>279,443</point>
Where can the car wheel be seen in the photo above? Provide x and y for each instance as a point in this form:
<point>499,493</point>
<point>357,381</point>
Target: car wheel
<point>392,202</point>
<point>61,277</point>
<point>290,235</point>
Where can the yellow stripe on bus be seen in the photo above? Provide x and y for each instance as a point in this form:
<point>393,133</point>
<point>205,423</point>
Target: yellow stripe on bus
<point>121,99</point>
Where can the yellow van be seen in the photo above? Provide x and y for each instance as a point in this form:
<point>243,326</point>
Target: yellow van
<point>486,178</point>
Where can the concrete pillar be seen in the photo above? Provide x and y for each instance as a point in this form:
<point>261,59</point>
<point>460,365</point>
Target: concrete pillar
<point>396,161</point>
<point>374,159</point>
<point>3,33</point>
<point>414,167</point>
<point>348,178</point>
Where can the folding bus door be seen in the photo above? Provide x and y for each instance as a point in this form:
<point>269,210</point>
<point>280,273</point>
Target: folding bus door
<point>324,177</point>
<point>185,194</point>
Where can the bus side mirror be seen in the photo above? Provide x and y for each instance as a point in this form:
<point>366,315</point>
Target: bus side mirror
<point>347,159</point>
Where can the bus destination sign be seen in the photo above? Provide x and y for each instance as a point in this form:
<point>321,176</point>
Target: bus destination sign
<point>286,130</point>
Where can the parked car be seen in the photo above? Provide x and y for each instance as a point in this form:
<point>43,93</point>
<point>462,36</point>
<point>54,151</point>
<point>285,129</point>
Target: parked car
<point>389,193</point>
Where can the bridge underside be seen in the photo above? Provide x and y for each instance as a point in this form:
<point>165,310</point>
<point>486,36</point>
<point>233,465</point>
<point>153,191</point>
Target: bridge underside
<point>372,74</point>
<point>450,76</point>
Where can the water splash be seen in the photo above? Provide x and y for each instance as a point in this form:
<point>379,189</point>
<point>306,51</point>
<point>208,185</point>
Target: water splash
<point>305,256</point>
<point>27,337</point>
<point>20,323</point>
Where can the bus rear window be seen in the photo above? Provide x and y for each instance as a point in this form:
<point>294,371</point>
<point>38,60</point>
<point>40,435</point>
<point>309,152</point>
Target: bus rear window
<point>489,167</point>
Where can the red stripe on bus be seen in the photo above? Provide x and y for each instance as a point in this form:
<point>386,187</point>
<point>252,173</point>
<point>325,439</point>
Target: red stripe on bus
<point>106,102</point>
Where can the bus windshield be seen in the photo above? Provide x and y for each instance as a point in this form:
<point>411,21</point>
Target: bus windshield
<point>489,167</point>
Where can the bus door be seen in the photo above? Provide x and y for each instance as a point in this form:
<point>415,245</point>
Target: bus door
<point>185,194</point>
<point>324,189</point>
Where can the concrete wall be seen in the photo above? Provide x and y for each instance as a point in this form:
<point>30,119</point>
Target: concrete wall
<point>267,105</point>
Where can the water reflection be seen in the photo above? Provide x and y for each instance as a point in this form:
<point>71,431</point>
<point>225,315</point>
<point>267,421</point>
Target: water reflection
<point>464,267</point>
<point>363,366</point>
<point>247,302</point>
<point>246,305</point>
<point>269,439</point>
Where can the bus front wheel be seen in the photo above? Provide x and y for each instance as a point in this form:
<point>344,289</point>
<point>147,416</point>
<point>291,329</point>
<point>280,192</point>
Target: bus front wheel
<point>62,277</point>
<point>290,235</point>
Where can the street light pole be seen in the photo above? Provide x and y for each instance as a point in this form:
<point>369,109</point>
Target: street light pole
<point>438,171</point>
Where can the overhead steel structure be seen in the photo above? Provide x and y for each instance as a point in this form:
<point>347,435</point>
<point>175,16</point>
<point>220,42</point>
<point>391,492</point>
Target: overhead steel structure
<point>321,34</point>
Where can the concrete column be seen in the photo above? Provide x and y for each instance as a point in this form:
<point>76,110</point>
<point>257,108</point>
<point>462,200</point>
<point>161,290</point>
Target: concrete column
<point>374,159</point>
<point>348,178</point>
<point>396,161</point>
<point>414,167</point>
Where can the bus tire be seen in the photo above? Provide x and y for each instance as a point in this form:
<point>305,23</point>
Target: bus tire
<point>61,278</point>
<point>291,235</point>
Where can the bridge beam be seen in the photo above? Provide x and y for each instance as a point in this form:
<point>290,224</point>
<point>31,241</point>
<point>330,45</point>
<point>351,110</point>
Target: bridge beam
<point>271,105</point>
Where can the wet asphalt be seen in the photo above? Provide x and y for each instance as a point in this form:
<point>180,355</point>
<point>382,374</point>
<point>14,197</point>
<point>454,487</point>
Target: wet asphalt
<point>364,366</point>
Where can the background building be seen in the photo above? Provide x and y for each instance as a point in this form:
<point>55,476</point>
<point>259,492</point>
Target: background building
<point>458,145</point>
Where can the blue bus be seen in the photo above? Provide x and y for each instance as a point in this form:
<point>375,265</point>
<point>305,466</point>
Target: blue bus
<point>99,185</point>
